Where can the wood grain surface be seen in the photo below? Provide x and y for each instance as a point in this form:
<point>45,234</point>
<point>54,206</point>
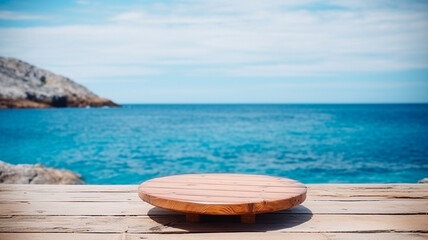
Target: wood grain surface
<point>223,194</point>
<point>331,211</point>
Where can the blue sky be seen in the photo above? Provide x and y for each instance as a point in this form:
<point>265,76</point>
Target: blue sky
<point>227,51</point>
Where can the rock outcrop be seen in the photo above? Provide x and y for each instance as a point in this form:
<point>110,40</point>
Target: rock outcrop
<point>25,86</point>
<point>423,180</point>
<point>36,174</point>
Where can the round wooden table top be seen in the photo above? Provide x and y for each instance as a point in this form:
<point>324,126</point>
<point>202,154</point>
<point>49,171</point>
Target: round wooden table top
<point>223,194</point>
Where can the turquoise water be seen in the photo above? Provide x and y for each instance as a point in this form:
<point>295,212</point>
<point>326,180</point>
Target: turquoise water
<point>311,143</point>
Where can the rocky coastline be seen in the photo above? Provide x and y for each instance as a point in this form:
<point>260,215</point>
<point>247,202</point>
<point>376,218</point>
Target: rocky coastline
<point>36,174</point>
<point>423,180</point>
<point>23,85</point>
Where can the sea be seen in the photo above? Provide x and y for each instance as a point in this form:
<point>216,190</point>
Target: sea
<point>313,143</point>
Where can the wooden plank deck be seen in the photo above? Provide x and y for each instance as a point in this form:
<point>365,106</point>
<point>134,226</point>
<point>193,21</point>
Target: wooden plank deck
<point>331,211</point>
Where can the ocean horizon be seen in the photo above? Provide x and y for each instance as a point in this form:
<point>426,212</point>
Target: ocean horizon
<point>313,143</point>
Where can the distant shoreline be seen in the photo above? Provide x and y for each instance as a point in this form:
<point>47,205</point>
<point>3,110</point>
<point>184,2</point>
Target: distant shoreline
<point>124,104</point>
<point>23,85</point>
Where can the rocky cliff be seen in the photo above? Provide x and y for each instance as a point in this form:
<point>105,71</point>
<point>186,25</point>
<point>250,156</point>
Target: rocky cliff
<point>36,174</point>
<point>25,86</point>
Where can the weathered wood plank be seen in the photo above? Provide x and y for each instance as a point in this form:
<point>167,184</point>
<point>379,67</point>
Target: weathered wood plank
<point>336,211</point>
<point>143,209</point>
<point>177,224</point>
<point>214,236</point>
<point>367,191</point>
<point>134,188</point>
<point>68,188</point>
<point>121,192</point>
<point>52,196</point>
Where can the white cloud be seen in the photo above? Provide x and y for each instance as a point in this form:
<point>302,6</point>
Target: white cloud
<point>11,15</point>
<point>255,38</point>
<point>95,71</point>
<point>326,68</point>
<point>354,85</point>
<point>129,16</point>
